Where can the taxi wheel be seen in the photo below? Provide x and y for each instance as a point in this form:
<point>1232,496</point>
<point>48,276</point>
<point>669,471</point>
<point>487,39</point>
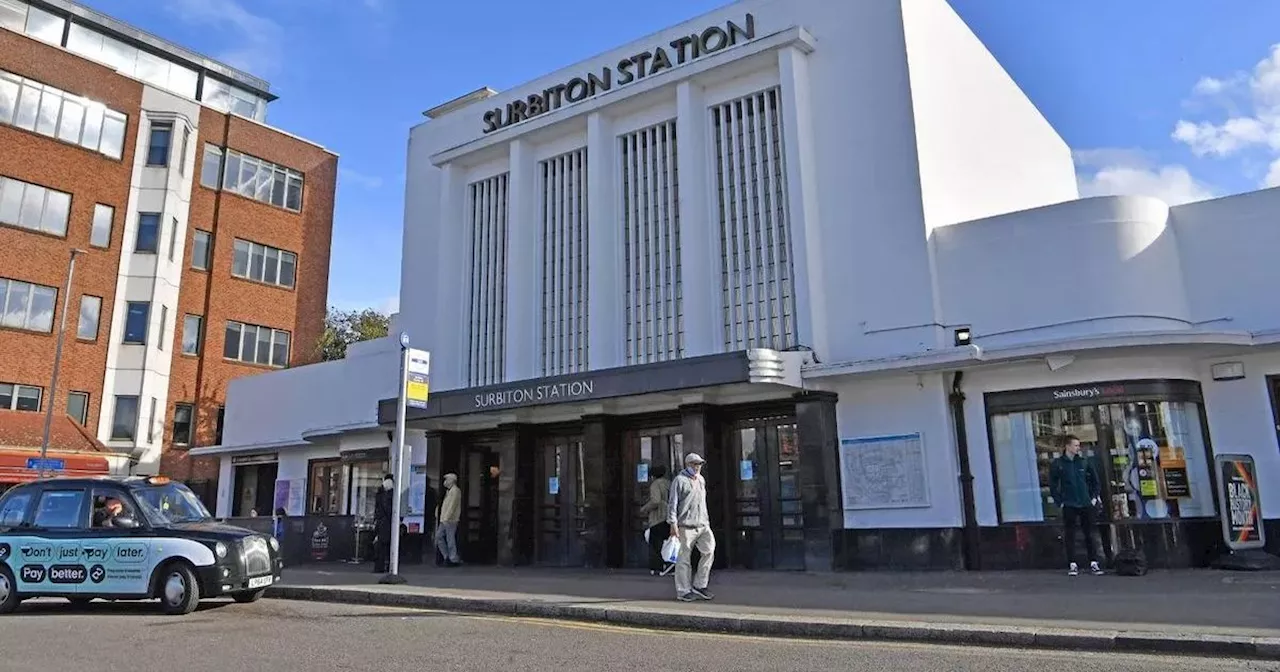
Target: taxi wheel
<point>178,589</point>
<point>248,596</point>
<point>8,591</point>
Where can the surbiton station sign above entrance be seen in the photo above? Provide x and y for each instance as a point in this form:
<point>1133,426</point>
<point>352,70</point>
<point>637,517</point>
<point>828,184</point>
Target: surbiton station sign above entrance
<point>679,51</point>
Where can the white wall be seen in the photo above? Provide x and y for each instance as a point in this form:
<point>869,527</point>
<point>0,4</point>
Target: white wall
<point>1090,267</point>
<point>905,405</point>
<point>1241,420</point>
<point>280,406</point>
<point>1226,247</point>
<point>864,221</point>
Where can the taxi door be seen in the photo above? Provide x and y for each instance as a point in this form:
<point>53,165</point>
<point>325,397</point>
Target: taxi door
<point>117,558</point>
<point>45,552</point>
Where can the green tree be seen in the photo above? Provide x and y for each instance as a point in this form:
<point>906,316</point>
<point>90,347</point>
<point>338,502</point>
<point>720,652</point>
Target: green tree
<point>344,327</point>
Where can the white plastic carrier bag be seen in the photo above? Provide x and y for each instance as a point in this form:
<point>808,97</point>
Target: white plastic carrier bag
<point>646,535</point>
<point>671,550</point>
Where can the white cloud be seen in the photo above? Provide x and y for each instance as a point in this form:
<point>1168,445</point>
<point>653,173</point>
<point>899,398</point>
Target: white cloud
<point>1251,123</point>
<point>360,179</point>
<point>1123,172</point>
<point>257,41</point>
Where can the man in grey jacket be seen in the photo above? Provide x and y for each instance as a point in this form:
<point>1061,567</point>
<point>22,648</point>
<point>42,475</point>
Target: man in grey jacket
<point>687,515</point>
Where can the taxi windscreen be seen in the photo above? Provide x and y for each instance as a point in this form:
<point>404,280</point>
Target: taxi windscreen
<point>171,503</point>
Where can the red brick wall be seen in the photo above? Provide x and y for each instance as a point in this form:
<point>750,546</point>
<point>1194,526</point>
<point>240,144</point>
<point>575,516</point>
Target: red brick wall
<point>33,257</point>
<point>216,295</point>
<point>219,296</point>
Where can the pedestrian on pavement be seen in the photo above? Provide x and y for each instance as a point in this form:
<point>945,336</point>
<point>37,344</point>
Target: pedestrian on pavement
<point>687,515</point>
<point>447,521</point>
<point>429,520</point>
<point>382,526</point>
<point>1073,484</point>
<point>659,529</point>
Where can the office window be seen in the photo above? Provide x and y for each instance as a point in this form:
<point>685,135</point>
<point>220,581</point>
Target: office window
<point>256,345</point>
<point>159,143</point>
<point>182,155</point>
<point>131,61</point>
<point>15,397</point>
<point>192,328</point>
<point>34,207</point>
<point>33,106</point>
<point>78,407</point>
<point>227,98</point>
<point>45,26</point>
<point>201,250</point>
<point>90,315</point>
<point>264,264</point>
<point>135,322</point>
<point>124,419</point>
<point>211,167</point>
<point>27,306</point>
<point>103,216</point>
<point>182,414</point>
<point>261,180</point>
<point>148,233</point>
<point>164,321</point>
<point>173,237</point>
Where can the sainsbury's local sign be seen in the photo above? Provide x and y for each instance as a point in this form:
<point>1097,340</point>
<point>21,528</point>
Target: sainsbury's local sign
<point>633,68</point>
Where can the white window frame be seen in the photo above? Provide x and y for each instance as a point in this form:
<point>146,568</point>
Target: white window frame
<point>97,319</point>
<point>249,247</point>
<point>186,321</point>
<point>15,393</point>
<point>202,263</point>
<point>95,127</point>
<point>7,294</point>
<point>84,419</point>
<point>102,211</point>
<point>34,196</point>
<point>244,329</point>
<point>256,179</point>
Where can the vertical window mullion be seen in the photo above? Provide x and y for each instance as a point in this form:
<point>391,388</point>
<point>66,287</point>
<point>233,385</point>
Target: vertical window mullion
<point>764,136</point>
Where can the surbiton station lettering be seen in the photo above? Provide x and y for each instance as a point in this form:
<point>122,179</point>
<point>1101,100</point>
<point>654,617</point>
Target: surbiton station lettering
<point>516,396</point>
<point>633,68</point>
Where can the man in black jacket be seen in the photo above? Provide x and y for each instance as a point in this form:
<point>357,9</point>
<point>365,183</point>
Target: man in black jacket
<point>382,526</point>
<point>1073,484</point>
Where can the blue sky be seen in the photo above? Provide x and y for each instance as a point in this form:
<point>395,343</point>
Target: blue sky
<point>1173,98</point>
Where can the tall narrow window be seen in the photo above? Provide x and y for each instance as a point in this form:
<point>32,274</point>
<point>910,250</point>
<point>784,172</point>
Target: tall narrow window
<point>164,319</point>
<point>487,324</point>
<point>148,233</point>
<point>182,414</point>
<point>151,422</point>
<point>159,144</point>
<point>182,154</point>
<point>100,235</point>
<point>650,198</point>
<point>564,268</point>
<point>211,167</point>
<point>756,276</point>
<point>173,238</point>
<point>201,250</point>
<point>78,407</point>
<point>192,329</point>
<point>90,315</point>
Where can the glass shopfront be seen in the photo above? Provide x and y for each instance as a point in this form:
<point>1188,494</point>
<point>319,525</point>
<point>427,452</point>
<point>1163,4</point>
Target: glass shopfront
<point>1147,440</point>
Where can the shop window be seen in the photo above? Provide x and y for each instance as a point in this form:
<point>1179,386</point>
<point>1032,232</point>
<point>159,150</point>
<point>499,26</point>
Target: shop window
<point>326,488</point>
<point>366,480</point>
<point>1150,457</point>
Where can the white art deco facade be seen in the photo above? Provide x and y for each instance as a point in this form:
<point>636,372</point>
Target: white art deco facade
<point>833,248</point>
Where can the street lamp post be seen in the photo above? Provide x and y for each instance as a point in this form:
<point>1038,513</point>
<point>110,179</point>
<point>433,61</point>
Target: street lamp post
<point>52,397</point>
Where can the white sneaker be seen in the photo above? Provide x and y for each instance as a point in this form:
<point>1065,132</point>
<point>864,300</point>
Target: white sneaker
<point>1095,569</point>
<point>1074,570</point>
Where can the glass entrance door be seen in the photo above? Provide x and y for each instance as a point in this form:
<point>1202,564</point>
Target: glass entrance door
<point>768,521</point>
<point>478,529</point>
<point>561,500</point>
<point>648,452</point>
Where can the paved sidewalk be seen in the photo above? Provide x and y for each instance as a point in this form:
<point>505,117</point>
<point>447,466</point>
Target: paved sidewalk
<point>1193,611</point>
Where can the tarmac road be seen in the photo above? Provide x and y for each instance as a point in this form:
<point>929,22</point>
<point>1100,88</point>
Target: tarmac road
<point>312,637</point>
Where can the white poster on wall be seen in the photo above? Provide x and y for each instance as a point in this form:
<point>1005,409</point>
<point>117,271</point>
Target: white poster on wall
<point>297,497</point>
<point>884,472</point>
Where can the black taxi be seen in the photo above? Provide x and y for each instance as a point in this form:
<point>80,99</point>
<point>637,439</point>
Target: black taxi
<point>126,538</point>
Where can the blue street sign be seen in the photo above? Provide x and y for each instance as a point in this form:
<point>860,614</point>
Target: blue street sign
<point>47,464</point>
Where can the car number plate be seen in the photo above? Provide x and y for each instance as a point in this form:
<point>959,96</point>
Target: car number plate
<point>260,582</point>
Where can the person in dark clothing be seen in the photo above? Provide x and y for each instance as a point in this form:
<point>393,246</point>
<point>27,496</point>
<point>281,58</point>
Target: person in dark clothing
<point>656,511</point>
<point>382,526</point>
<point>429,520</point>
<point>1073,484</point>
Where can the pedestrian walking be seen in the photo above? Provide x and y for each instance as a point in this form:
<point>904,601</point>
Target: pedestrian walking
<point>658,528</point>
<point>382,526</point>
<point>1073,484</point>
<point>447,521</point>
<point>687,515</point>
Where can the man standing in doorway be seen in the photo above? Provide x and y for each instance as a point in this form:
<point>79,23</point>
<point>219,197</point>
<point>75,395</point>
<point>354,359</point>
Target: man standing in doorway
<point>382,526</point>
<point>687,515</point>
<point>447,521</point>
<point>1073,484</point>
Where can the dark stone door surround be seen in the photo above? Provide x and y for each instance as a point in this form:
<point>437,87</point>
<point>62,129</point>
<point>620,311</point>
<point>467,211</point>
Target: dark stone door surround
<point>606,526</point>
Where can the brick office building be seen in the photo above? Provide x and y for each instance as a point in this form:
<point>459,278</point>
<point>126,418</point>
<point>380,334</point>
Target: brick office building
<point>204,233</point>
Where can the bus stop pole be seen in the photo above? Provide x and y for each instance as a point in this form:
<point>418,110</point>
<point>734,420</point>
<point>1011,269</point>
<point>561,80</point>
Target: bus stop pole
<point>397,467</point>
